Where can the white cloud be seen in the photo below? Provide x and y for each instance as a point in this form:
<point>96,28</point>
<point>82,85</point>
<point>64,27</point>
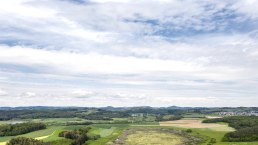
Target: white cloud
<point>3,93</point>
<point>90,63</point>
<point>28,94</point>
<point>163,52</point>
<point>83,93</point>
<point>22,8</point>
<point>248,7</point>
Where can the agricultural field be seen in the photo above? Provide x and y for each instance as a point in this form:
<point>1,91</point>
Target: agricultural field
<point>196,123</point>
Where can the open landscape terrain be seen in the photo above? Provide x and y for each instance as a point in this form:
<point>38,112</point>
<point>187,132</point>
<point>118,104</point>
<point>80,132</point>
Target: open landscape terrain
<point>130,126</point>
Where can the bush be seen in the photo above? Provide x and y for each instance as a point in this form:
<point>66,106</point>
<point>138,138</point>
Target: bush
<point>189,131</point>
<point>213,141</point>
<point>94,137</point>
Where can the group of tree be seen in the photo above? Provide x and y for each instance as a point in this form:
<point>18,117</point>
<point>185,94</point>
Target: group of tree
<point>20,128</point>
<point>246,128</point>
<point>26,141</point>
<point>79,136</point>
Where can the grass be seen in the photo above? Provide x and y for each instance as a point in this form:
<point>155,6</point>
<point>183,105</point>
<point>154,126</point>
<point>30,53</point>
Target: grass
<point>54,136</point>
<point>108,132</point>
<point>103,132</point>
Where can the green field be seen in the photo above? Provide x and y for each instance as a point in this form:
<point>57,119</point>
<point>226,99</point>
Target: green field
<point>108,132</point>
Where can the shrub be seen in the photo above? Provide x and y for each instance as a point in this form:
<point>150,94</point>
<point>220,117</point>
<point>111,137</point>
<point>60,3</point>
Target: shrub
<point>189,131</point>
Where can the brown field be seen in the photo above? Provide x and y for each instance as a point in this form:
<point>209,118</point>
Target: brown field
<point>195,123</point>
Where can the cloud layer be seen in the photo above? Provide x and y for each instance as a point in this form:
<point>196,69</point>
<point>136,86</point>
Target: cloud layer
<point>128,52</point>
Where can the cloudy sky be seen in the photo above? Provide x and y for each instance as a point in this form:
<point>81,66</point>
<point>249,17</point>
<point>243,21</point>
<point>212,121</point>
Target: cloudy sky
<point>128,53</point>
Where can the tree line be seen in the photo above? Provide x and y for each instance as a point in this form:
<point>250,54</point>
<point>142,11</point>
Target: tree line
<point>20,128</point>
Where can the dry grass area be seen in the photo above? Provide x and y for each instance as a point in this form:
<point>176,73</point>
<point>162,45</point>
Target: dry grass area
<point>155,136</point>
<point>152,138</point>
<point>196,123</point>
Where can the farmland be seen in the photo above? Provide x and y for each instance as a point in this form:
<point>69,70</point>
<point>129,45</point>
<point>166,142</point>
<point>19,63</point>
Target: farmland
<point>196,123</point>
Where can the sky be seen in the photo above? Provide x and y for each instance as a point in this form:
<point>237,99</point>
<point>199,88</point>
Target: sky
<point>97,53</point>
